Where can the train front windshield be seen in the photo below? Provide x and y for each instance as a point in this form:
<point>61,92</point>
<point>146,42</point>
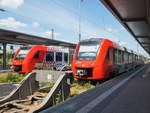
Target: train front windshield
<point>23,52</point>
<point>88,50</point>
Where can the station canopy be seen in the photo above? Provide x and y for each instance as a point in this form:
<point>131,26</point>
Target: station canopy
<point>134,15</point>
<point>12,37</point>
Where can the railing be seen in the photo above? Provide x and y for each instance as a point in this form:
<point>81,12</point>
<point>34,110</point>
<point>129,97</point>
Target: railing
<point>59,93</point>
<point>25,88</point>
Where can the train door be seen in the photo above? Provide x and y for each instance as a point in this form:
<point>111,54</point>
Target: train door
<point>111,59</point>
<point>33,62</point>
<point>122,61</point>
<point>115,56</point>
<point>66,57</point>
<point>59,60</point>
<point>37,59</point>
<point>115,63</point>
<point>110,50</point>
<point>108,60</point>
<point>49,59</point>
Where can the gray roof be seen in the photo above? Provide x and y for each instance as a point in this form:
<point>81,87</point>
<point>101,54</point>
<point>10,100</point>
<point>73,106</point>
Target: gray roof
<point>134,15</point>
<point>12,37</point>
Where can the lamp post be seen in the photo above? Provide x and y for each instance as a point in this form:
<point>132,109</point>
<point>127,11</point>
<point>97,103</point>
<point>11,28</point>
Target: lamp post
<point>80,1</point>
<point>52,34</point>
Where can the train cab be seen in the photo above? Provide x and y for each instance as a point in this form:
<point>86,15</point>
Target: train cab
<point>92,58</point>
<point>25,58</point>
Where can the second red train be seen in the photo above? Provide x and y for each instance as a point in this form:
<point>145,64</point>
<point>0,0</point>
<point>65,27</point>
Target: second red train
<point>101,58</point>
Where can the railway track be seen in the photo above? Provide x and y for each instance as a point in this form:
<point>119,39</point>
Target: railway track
<point>23,105</point>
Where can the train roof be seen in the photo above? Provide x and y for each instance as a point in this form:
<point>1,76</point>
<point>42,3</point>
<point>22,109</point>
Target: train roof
<point>49,48</point>
<point>92,39</point>
<point>116,44</point>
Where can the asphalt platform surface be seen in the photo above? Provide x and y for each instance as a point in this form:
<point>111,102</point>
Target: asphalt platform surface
<point>127,93</point>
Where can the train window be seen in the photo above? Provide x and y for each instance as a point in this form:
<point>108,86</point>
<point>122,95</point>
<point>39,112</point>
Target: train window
<point>58,56</point>
<point>66,57</point>
<point>88,50</point>
<point>25,48</point>
<point>133,57</point>
<point>37,54</point>
<point>115,56</point>
<point>130,57</point>
<point>119,56</point>
<point>136,58</point>
<point>126,57</point>
<point>49,56</point>
<point>122,57</point>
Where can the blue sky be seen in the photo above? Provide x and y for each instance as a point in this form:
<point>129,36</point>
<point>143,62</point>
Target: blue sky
<point>38,17</point>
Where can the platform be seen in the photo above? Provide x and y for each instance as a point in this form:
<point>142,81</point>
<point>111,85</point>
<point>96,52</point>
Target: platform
<point>128,93</point>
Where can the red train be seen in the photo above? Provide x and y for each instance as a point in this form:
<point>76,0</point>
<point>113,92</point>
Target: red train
<point>101,58</point>
<point>27,59</point>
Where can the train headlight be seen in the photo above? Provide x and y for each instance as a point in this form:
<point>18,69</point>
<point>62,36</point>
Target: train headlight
<point>81,72</point>
<point>12,67</point>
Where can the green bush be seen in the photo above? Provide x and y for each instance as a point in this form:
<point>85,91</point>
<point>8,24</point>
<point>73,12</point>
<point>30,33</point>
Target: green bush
<point>12,77</point>
<point>77,88</point>
<point>2,80</point>
<point>9,61</point>
<point>88,85</point>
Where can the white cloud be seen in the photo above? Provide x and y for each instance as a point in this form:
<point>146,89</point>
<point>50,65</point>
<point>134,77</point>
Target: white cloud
<point>115,30</point>
<point>35,24</point>
<point>49,34</point>
<point>109,29</point>
<point>122,43</point>
<point>11,23</point>
<point>11,3</point>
